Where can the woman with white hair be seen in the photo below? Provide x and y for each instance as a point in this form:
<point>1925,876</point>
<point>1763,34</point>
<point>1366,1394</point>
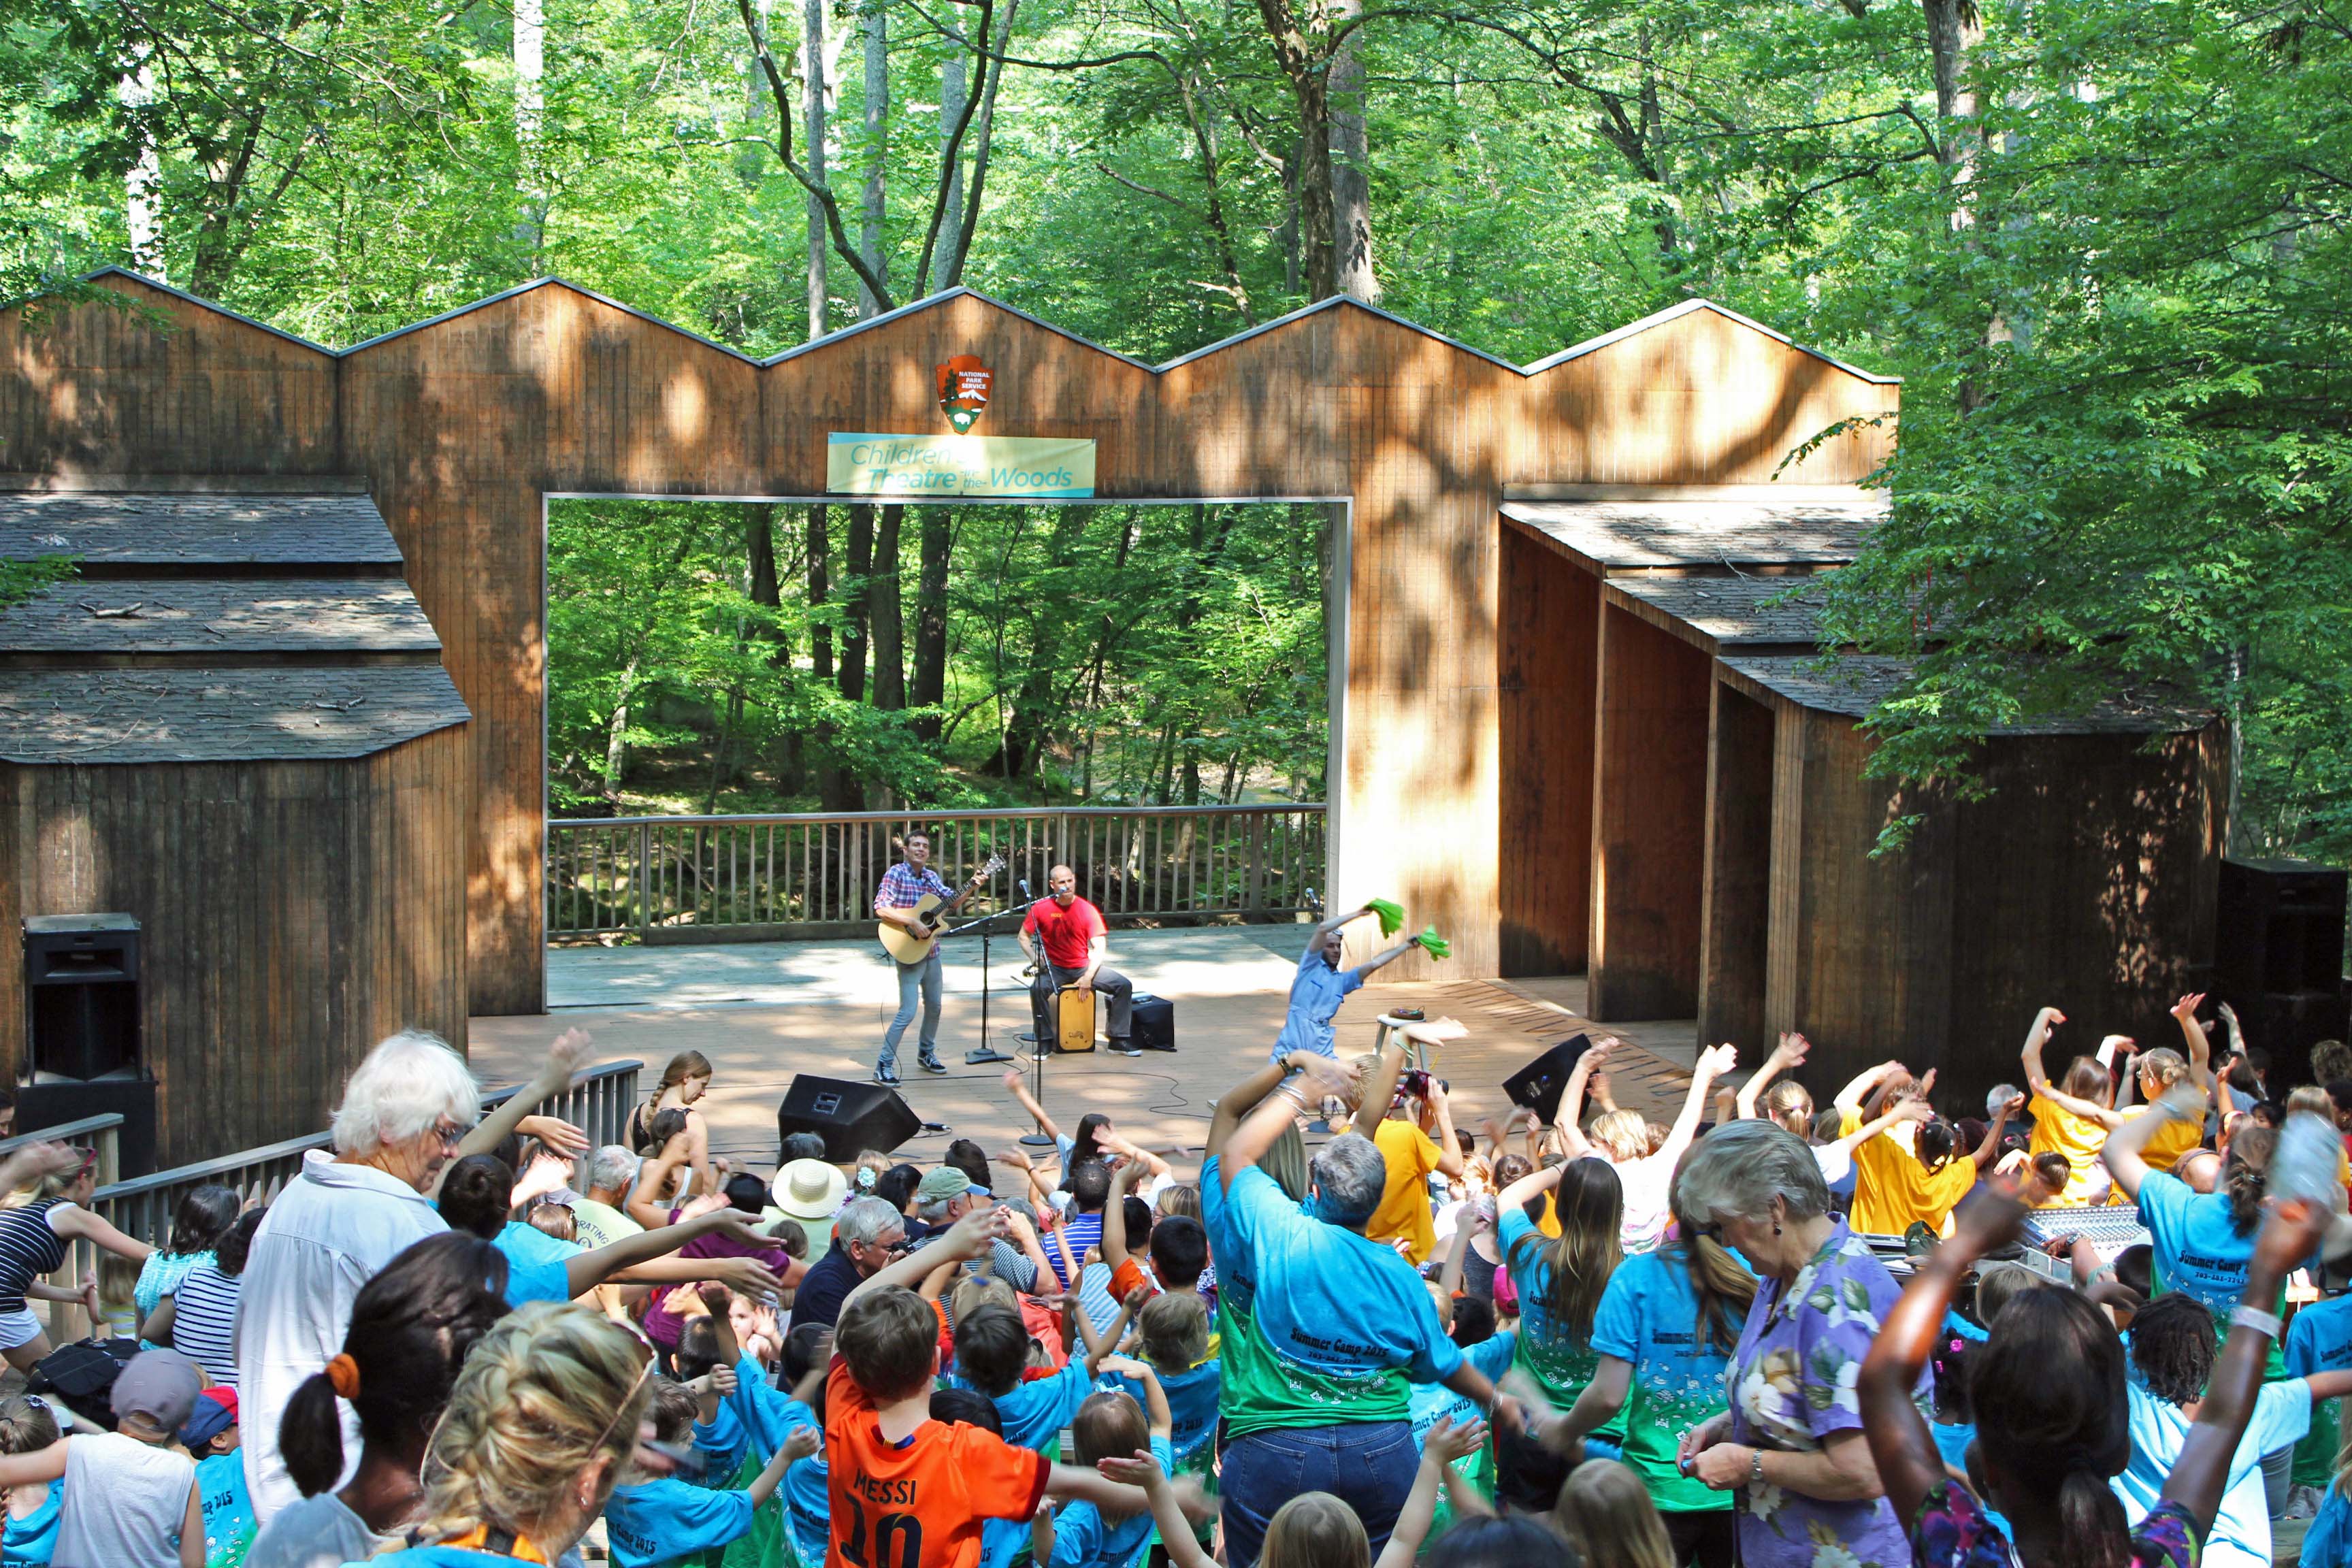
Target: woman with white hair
<point>409,1108</point>
<point>1792,1441</point>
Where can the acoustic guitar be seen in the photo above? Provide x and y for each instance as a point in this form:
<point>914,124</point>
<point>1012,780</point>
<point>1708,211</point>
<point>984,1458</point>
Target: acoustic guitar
<point>931,913</point>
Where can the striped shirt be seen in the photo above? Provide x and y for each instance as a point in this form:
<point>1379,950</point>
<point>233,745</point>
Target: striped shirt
<point>903,887</point>
<point>29,1248</point>
<point>203,1319</point>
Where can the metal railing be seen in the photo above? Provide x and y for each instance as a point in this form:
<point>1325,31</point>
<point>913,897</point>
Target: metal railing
<point>804,875</point>
<point>598,1102</point>
<point>103,1133</point>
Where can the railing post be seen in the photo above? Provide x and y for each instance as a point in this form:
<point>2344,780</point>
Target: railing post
<point>644,879</point>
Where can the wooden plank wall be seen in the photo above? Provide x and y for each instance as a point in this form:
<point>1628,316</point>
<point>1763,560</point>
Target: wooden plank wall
<point>2085,882</point>
<point>1551,624</point>
<point>1649,821</point>
<point>1734,914</point>
<point>463,423</point>
<point>290,915</point>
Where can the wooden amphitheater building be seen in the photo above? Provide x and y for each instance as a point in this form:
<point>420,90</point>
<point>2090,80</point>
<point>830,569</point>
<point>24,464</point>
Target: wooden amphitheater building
<point>1570,725</point>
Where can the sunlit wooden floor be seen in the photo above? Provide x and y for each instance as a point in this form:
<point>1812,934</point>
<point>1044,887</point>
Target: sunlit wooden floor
<point>1227,1016</point>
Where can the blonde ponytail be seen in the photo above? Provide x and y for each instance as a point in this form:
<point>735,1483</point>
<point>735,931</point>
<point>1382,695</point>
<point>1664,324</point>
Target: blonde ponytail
<point>543,1395</point>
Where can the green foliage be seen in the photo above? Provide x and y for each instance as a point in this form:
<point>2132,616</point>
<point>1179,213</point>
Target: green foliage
<point>1108,653</point>
<point>20,580</point>
<point>2115,290</point>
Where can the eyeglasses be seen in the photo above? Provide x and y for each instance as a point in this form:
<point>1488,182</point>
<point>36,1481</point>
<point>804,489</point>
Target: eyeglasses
<point>451,1133</point>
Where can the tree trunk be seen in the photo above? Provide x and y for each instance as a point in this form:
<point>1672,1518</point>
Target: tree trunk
<point>816,89</point>
<point>1351,193</point>
<point>1029,728</point>
<point>857,599</point>
<point>530,70</point>
<point>143,217</point>
<point>931,618</point>
<point>871,210</point>
<point>617,744</point>
<point>885,614</point>
<point>1298,53</point>
<point>765,588</point>
<point>952,93</point>
<point>820,552</point>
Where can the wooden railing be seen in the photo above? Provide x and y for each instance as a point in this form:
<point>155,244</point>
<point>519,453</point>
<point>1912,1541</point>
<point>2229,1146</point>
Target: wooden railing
<point>598,1102</point>
<point>705,878</point>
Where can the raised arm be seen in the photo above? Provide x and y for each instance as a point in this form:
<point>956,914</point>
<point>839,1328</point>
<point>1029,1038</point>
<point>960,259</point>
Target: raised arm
<point>2289,1234</point>
<point>1449,1150</point>
<point>1467,1223</point>
<point>1909,1110</point>
<point>1142,1470</point>
<point>1519,1193</point>
<point>1713,1063</point>
<point>1114,1213</point>
<point>1136,1153</point>
<point>1787,1056</point>
<point>584,1271</point>
<point>1444,1443</point>
<point>1255,1135</point>
<point>966,1239</point>
<point>2037,1080</point>
<point>1850,1098</point>
<point>1991,1145</point>
<point>1379,1087</point>
<point>1237,1102</point>
<point>647,1202</point>
<point>1387,957</point>
<point>1906,1454</point>
<point>1028,1101</point>
<point>2125,1150</point>
<point>1569,1119</point>
<point>2192,1034</point>
<point>567,1055</point>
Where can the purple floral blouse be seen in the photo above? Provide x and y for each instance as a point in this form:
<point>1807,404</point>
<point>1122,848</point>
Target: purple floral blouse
<point>1794,1384</point>
<point>1953,1531</point>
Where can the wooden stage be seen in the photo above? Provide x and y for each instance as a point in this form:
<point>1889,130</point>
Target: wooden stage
<point>1161,1099</point>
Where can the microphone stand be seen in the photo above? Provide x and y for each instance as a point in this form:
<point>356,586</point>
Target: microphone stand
<point>987,1053</point>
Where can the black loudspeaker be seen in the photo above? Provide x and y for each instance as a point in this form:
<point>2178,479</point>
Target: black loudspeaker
<point>82,985</point>
<point>55,1101</point>
<point>1153,1022</point>
<point>2279,958</point>
<point>1540,1084</point>
<point>850,1117</point>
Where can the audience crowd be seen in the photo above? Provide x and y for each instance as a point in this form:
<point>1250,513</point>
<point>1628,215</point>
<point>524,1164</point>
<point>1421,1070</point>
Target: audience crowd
<point>1346,1332</point>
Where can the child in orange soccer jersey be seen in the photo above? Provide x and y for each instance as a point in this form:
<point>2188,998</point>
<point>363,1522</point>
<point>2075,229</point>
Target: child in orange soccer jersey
<point>906,1491</point>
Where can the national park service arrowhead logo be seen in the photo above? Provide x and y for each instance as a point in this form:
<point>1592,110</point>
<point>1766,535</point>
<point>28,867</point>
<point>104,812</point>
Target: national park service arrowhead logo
<point>963,390</point>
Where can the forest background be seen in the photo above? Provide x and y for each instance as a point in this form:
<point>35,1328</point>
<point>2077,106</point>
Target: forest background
<point>2103,241</point>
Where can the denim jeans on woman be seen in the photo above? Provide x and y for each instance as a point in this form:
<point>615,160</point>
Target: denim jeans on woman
<point>1369,1465</point>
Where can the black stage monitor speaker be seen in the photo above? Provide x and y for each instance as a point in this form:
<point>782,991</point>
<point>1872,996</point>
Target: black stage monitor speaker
<point>1540,1084</point>
<point>1153,1023</point>
<point>2278,958</point>
<point>850,1117</point>
<point>81,978</point>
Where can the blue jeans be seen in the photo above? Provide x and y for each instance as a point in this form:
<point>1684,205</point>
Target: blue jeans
<point>913,978</point>
<point>1369,1465</point>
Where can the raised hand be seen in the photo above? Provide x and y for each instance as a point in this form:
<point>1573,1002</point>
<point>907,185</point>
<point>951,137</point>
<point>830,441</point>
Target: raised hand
<point>1012,1080</point>
<point>2290,1234</point>
<point>722,1380</point>
<point>1990,1216</point>
<point>558,1134</point>
<point>1717,1060</point>
<point>566,1054</point>
<point>2186,1008</point>
<point>803,1444</point>
<point>1912,1111</point>
<point>1450,1442</point>
<point>1927,1085</point>
<point>748,1275</point>
<point>1137,1469</point>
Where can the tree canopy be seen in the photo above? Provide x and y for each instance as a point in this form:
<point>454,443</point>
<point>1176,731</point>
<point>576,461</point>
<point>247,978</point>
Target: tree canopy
<point>2103,241</point>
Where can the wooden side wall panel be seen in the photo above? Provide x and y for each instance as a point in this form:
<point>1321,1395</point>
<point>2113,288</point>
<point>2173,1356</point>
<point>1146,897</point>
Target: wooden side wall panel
<point>1736,912</point>
<point>1649,822</point>
<point>290,915</point>
<point>162,385</point>
<point>1552,625</point>
<point>2078,884</point>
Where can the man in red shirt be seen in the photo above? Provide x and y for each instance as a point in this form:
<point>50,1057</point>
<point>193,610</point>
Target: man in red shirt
<point>1075,938</point>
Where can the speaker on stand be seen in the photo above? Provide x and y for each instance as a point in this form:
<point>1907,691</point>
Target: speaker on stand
<point>2278,959</point>
<point>83,1054</point>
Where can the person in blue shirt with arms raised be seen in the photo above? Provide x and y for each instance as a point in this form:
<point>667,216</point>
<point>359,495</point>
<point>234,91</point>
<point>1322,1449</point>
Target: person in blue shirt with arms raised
<point>667,1520</point>
<point>1320,984</point>
<point>1346,1326</point>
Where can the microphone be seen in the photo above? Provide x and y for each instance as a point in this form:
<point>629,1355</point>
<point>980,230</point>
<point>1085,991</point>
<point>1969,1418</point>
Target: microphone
<point>1023,885</point>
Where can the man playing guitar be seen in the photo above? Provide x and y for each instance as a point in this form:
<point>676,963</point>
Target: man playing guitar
<point>904,886</point>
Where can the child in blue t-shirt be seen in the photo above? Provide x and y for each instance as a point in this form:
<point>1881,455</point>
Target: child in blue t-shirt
<point>719,1435</point>
<point>1173,1329</point>
<point>212,1437</point>
<point>1108,1425</point>
<point>991,1352</point>
<point>668,1520</point>
<point>27,1425</point>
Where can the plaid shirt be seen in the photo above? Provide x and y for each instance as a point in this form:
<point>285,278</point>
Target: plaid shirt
<point>903,887</point>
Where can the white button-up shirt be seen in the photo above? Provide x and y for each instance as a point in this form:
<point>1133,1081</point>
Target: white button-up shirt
<point>329,1233</point>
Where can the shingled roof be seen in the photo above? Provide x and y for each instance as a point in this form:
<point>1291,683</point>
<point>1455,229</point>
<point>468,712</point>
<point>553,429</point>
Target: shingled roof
<point>1621,535</point>
<point>106,529</point>
<point>213,627</point>
<point>1735,611</point>
<point>1855,682</point>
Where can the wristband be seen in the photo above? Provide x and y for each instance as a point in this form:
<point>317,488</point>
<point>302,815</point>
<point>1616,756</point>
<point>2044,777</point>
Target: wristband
<point>2254,1318</point>
<point>1756,1465</point>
